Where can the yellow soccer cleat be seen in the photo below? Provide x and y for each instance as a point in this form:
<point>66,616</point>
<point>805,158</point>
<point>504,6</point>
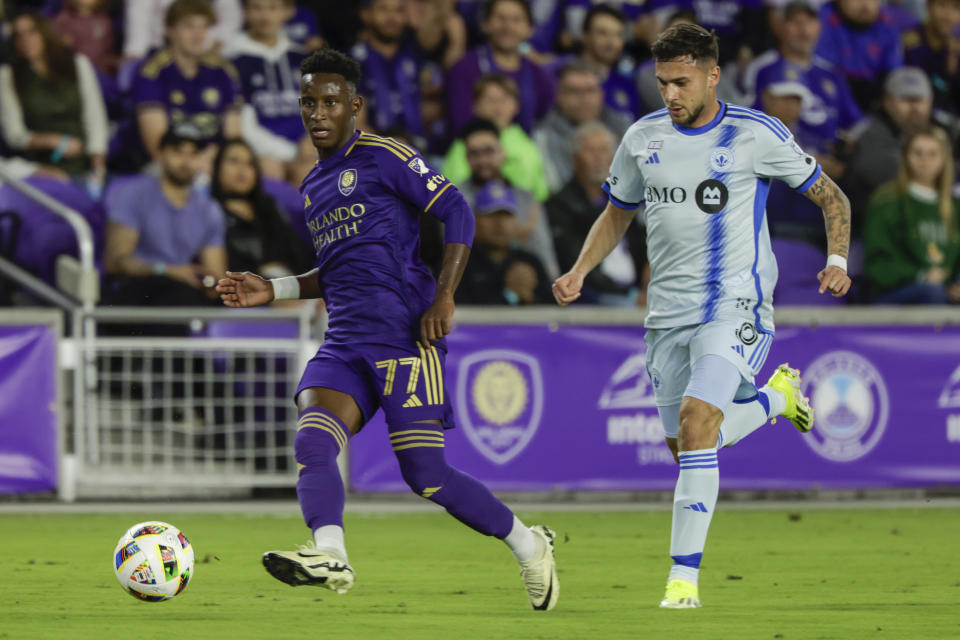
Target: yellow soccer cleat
<point>680,595</point>
<point>798,411</point>
<point>310,566</point>
<point>540,574</point>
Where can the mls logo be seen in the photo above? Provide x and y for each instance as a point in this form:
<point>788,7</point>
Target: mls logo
<point>499,401</point>
<point>852,405</point>
<point>721,160</point>
<point>347,181</point>
<point>417,166</point>
<point>711,196</point>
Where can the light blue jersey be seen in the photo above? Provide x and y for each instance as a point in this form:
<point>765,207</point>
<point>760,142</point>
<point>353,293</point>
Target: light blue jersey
<point>705,193</point>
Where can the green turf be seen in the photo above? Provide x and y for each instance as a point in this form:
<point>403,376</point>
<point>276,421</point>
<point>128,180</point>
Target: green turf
<point>768,574</point>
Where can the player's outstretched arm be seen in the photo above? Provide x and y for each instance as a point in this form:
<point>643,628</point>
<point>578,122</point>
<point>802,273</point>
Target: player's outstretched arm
<point>604,235</point>
<point>436,321</point>
<point>247,289</point>
<point>836,215</point>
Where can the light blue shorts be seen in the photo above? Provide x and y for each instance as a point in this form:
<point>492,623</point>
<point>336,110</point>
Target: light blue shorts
<point>741,351</point>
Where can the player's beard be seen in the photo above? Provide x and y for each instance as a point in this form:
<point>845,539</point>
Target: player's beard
<point>694,114</point>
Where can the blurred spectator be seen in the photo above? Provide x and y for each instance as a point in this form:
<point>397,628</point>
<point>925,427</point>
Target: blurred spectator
<point>829,108</point>
<point>85,26</point>
<point>391,61</point>
<point>302,29</point>
<point>181,83</point>
<point>268,65</point>
<point>574,209</point>
<point>648,91</point>
<point>861,40</point>
<point>507,24</point>
<point>912,235</point>
<point>604,29</point>
<point>164,238</point>
<point>495,98</point>
<point>907,104</point>
<point>440,30</point>
<point>576,15</point>
<point>146,27</point>
<point>579,100</point>
<point>51,108</point>
<point>486,158</point>
<point>499,273</point>
<point>258,237</point>
<point>935,48</point>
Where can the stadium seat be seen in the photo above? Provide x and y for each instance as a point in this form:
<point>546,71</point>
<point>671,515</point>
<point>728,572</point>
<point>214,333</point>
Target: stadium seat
<point>43,235</point>
<point>799,263</point>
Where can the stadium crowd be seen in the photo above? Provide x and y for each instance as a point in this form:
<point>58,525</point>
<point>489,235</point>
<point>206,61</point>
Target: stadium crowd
<point>174,127</point>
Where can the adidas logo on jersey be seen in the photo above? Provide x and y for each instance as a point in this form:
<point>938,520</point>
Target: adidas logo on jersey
<point>654,159</point>
<point>697,507</point>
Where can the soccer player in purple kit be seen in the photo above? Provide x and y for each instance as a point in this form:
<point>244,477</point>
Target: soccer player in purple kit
<point>385,343</point>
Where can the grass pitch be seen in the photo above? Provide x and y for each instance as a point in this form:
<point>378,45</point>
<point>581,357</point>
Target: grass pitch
<point>767,574</point>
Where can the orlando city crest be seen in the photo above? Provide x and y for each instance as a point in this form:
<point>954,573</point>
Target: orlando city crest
<point>347,181</point>
<point>499,401</point>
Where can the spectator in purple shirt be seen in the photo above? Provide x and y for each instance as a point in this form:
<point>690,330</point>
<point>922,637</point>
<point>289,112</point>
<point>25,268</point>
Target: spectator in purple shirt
<point>935,48</point>
<point>861,40</point>
<point>507,25</point>
<point>604,28</point>
<point>165,240</point>
<point>182,83</point>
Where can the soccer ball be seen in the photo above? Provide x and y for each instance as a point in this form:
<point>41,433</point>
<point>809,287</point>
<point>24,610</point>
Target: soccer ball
<point>153,561</point>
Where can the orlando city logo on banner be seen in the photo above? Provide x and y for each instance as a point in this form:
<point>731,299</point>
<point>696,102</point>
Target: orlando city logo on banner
<point>499,401</point>
<point>851,402</point>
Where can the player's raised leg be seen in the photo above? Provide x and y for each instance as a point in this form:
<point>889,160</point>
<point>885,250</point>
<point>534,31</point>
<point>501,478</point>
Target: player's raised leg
<point>327,420</point>
<point>419,449</point>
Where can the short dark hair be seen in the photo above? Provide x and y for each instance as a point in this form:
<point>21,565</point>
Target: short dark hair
<point>498,79</point>
<point>183,9</point>
<point>329,60</point>
<point>602,10</point>
<point>683,40</point>
<point>476,125</point>
<point>490,4</point>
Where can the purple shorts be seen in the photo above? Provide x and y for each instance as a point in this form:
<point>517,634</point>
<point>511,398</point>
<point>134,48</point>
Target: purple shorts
<point>406,380</point>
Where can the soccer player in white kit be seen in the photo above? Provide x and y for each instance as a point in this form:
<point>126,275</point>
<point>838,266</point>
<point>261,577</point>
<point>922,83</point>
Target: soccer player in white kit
<point>702,168</point>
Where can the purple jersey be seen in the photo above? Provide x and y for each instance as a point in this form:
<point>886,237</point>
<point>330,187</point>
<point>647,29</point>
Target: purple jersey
<point>830,108</point>
<point>302,25</point>
<point>362,207</point>
<point>391,86</point>
<point>620,89</point>
<point>859,53</point>
<point>201,100</point>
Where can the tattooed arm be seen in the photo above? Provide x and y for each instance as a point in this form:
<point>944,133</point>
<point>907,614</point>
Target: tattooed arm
<point>836,215</point>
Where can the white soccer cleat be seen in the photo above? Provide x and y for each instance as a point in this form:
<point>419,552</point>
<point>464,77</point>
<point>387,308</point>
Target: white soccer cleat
<point>310,566</point>
<point>540,574</point>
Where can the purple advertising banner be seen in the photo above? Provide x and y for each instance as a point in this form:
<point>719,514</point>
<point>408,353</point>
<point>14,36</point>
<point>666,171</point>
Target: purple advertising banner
<point>572,408</point>
<point>28,405</point>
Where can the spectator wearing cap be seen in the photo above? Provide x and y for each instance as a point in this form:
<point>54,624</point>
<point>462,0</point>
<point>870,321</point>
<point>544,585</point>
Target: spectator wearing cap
<point>912,237</point>
<point>487,159</point>
<point>500,273</point>
<point>165,238</point>
<point>618,280</point>
<point>51,108</point>
<point>829,110</point>
<point>507,24</point>
<point>268,67</point>
<point>934,47</point>
<point>579,100</point>
<point>907,103</point>
<point>860,38</point>
<point>182,83</point>
<point>496,98</point>
<point>604,30</point>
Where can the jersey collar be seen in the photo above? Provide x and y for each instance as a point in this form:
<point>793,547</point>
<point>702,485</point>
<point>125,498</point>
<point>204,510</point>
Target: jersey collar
<point>340,154</point>
<point>696,131</point>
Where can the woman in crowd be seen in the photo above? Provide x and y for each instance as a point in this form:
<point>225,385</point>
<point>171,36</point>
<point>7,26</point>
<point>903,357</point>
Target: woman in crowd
<point>911,234</point>
<point>51,108</point>
<point>259,238</point>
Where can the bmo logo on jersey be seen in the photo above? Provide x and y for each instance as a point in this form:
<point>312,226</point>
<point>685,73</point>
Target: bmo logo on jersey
<point>665,195</point>
<point>711,196</point>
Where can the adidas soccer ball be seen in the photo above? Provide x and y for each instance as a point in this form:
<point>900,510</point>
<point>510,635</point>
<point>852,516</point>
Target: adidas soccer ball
<point>153,561</point>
